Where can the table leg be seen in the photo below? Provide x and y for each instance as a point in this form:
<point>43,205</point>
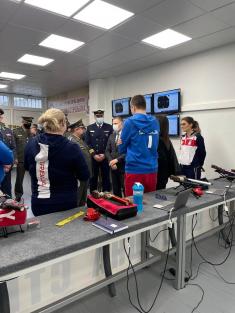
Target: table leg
<point>221,222</point>
<point>172,235</point>
<point>144,244</point>
<point>180,252</point>
<point>108,269</point>
<point>4,298</point>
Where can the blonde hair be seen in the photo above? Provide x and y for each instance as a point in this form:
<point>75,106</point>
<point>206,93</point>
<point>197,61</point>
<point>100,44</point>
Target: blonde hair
<point>52,120</point>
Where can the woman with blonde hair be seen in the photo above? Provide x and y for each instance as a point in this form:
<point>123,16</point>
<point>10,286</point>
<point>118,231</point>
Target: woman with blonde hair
<point>54,164</point>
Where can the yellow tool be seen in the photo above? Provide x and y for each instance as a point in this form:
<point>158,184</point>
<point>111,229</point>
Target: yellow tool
<point>70,219</point>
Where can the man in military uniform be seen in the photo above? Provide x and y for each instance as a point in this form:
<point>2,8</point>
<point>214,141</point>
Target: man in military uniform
<point>97,136</point>
<point>6,135</point>
<point>22,135</point>
<point>77,131</point>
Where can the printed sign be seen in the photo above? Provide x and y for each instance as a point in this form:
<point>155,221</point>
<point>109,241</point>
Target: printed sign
<point>71,105</point>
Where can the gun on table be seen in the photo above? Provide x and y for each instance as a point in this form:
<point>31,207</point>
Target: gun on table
<point>228,174</point>
<point>107,195</point>
<point>197,185</point>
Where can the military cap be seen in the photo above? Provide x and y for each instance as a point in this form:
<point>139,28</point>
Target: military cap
<point>98,112</point>
<point>27,119</point>
<point>77,124</point>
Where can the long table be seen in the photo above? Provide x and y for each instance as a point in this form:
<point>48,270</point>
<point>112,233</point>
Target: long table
<point>24,253</point>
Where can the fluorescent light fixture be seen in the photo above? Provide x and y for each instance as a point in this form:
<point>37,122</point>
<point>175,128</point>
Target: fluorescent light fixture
<point>3,86</point>
<point>61,43</point>
<point>11,75</point>
<point>63,7</point>
<point>167,38</point>
<point>35,60</point>
<point>103,14</point>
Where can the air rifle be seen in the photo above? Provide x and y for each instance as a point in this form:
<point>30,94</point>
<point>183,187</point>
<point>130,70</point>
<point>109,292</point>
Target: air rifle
<point>228,174</point>
<point>197,185</point>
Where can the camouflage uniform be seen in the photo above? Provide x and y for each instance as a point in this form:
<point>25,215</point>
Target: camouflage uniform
<point>82,191</point>
<point>22,137</point>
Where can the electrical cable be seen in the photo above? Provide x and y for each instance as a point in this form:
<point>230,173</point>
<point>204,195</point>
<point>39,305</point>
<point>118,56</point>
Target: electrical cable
<point>226,281</point>
<point>205,261</point>
<point>130,266</point>
<point>153,240</point>
<point>212,219</point>
<point>202,297</point>
<point>209,262</point>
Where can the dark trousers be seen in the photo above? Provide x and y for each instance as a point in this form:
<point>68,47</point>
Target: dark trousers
<point>117,182</point>
<point>102,167</point>
<point>82,192</point>
<point>20,171</point>
<point>6,184</point>
<point>191,172</point>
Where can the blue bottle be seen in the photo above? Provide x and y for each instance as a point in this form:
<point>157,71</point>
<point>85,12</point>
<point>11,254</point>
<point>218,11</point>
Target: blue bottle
<point>138,191</point>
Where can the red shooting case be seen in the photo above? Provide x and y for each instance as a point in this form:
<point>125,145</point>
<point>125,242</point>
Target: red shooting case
<point>11,217</point>
<point>112,208</point>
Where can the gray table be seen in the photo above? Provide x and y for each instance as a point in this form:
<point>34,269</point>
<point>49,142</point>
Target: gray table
<point>24,253</point>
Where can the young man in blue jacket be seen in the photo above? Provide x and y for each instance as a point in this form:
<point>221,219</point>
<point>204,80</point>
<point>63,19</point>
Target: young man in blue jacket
<point>139,141</point>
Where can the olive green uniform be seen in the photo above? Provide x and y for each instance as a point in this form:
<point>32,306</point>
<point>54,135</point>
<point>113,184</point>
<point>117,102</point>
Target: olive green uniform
<point>82,191</point>
<point>21,136</point>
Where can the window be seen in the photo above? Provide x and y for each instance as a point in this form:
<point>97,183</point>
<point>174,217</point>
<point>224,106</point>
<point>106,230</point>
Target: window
<point>28,102</point>
<point>4,100</point>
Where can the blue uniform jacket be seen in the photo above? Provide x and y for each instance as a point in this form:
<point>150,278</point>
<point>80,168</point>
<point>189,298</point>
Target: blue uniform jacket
<point>97,138</point>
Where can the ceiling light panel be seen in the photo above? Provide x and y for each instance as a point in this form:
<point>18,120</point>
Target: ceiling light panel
<point>61,43</point>
<point>63,7</point>
<point>11,75</point>
<point>3,86</point>
<point>103,14</point>
<point>35,60</point>
<point>166,39</point>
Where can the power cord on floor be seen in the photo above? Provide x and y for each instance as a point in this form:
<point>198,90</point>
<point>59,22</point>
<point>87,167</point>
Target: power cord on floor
<point>202,297</point>
<point>205,261</point>
<point>229,252</point>
<point>140,308</point>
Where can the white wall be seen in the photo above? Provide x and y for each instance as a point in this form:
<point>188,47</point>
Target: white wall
<point>207,82</point>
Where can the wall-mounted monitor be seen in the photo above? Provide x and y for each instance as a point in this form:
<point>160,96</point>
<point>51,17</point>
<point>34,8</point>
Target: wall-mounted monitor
<point>167,101</point>
<point>149,103</point>
<point>121,107</point>
<point>174,129</point>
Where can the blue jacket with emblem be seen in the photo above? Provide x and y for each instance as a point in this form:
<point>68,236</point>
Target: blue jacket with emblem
<point>140,136</point>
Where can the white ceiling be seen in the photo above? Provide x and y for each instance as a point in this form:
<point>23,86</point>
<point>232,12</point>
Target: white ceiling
<point>210,23</point>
